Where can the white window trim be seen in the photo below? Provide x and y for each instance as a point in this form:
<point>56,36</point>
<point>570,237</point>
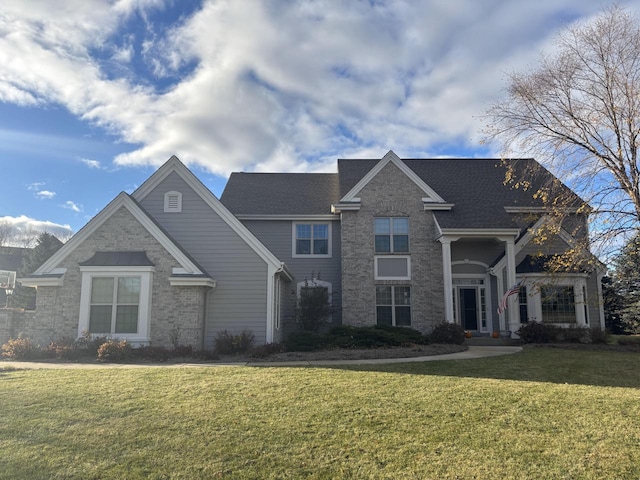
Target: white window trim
<point>534,298</point>
<point>391,235</point>
<point>167,196</point>
<point>379,277</point>
<point>310,255</point>
<point>393,304</point>
<point>458,280</point>
<point>144,309</point>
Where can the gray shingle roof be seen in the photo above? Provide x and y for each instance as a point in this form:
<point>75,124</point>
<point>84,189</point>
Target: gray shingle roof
<point>280,193</point>
<point>475,187</point>
<point>118,259</point>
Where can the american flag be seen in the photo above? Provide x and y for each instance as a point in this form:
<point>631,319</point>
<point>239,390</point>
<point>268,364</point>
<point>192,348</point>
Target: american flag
<point>512,291</point>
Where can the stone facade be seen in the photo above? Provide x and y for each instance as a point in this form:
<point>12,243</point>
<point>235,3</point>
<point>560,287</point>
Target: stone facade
<point>391,193</point>
<point>16,322</point>
<point>173,309</point>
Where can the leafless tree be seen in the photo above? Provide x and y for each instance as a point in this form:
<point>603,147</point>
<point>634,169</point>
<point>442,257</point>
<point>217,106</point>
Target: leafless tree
<point>6,232</point>
<point>578,112</point>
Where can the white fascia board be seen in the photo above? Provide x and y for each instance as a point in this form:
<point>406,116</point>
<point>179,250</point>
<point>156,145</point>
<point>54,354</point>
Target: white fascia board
<point>296,218</point>
<point>192,282</point>
<point>480,232</point>
<point>156,178</point>
<point>340,207</point>
<point>118,269</point>
<point>430,193</point>
<point>122,200</point>
<point>175,165</point>
<point>42,281</point>
<point>429,205</point>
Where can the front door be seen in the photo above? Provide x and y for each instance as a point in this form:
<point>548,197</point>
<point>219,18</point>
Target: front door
<point>469,308</point>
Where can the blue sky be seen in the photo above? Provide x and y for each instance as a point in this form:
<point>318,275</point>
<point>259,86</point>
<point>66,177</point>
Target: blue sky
<point>94,95</point>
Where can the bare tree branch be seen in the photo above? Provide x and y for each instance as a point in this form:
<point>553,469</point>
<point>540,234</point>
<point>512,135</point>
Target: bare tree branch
<point>578,113</point>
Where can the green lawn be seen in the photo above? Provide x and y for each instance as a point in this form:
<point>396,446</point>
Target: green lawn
<point>543,413</point>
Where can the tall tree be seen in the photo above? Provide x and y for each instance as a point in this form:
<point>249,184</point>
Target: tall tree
<point>578,112</point>
<point>626,283</point>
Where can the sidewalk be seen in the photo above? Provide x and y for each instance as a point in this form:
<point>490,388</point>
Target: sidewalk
<point>471,353</point>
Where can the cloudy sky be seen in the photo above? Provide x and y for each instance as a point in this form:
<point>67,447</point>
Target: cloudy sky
<point>94,95</point>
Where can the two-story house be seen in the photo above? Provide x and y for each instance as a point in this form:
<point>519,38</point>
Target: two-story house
<point>396,242</point>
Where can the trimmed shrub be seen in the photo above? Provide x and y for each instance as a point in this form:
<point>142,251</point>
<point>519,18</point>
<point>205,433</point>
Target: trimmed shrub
<point>115,351</point>
<point>599,336</point>
<point>537,332</point>
<point>447,333</point>
<point>183,351</point>
<point>90,344</point>
<point>21,348</point>
<point>306,342</point>
<point>264,351</point>
<point>205,355</point>
<point>152,353</point>
<point>407,336</point>
<point>374,337</point>
<point>228,344</point>
<point>65,349</point>
<point>574,334</point>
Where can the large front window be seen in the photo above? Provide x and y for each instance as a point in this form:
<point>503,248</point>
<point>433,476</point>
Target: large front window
<point>311,239</point>
<point>393,305</point>
<point>115,303</point>
<point>391,234</point>
<point>558,304</point>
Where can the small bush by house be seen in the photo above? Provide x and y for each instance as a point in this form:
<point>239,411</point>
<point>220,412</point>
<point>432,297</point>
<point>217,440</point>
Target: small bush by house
<point>263,351</point>
<point>229,344</point>
<point>378,336</point>
<point>115,351</point>
<point>306,342</point>
<point>21,348</point>
<point>447,333</point>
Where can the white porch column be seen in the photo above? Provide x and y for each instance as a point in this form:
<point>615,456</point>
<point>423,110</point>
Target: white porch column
<point>448,282</point>
<point>513,309</point>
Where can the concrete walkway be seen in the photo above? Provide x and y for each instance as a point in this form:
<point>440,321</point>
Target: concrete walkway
<point>471,353</point>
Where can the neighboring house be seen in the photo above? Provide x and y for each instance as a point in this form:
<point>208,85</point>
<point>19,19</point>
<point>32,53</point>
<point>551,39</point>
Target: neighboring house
<point>396,242</point>
<point>10,264</point>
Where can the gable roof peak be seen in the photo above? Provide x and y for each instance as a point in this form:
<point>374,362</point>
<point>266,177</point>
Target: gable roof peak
<point>431,196</point>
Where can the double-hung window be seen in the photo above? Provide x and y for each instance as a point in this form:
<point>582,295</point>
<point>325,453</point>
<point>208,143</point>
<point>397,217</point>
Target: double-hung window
<point>391,234</point>
<point>115,303</point>
<point>393,305</point>
<point>311,239</point>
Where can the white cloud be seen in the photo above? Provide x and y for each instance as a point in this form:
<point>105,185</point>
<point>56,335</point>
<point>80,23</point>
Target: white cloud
<point>91,163</point>
<point>70,205</point>
<point>276,85</point>
<point>45,194</point>
<point>35,186</point>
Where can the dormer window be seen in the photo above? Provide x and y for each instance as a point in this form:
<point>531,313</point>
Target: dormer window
<point>172,202</point>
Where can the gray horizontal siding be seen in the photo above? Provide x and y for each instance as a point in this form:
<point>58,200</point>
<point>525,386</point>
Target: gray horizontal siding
<point>277,236</point>
<point>239,301</point>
